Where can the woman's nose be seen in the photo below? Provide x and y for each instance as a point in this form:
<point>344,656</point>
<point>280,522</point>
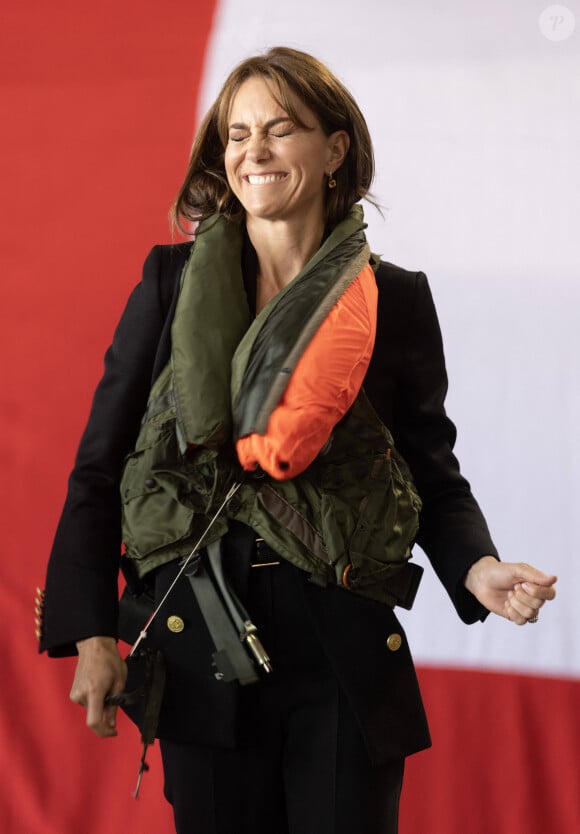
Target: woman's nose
<point>257,148</point>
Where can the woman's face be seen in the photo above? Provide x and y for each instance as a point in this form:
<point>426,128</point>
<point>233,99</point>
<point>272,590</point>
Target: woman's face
<point>278,170</point>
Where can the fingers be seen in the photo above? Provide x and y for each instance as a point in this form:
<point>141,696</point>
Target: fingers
<point>100,671</point>
<point>531,590</point>
<point>520,611</point>
<point>101,719</point>
<point>525,601</point>
<point>540,592</point>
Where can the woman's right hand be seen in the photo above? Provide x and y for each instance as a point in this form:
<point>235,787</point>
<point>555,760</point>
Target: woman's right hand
<point>100,671</point>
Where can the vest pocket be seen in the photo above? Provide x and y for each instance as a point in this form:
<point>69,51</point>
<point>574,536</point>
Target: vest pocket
<point>376,511</point>
<point>153,514</point>
<point>386,525</point>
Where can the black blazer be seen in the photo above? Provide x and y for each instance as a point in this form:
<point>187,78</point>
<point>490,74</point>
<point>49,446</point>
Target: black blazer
<point>406,382</point>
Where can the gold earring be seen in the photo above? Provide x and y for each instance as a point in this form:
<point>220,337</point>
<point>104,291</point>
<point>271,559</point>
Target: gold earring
<point>331,181</point>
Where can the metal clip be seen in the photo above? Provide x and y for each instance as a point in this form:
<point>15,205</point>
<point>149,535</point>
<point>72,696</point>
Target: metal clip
<point>253,642</point>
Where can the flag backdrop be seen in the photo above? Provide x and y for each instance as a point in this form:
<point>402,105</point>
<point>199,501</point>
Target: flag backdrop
<point>475,114</point>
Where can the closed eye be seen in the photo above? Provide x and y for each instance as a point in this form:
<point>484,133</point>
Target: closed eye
<point>277,128</point>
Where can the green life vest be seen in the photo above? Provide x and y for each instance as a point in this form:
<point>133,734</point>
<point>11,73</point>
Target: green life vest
<point>351,517</point>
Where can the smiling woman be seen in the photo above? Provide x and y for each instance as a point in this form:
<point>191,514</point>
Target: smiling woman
<point>277,169</point>
<point>302,89</point>
<point>244,432</point>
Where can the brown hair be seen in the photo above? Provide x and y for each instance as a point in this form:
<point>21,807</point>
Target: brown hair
<point>205,190</point>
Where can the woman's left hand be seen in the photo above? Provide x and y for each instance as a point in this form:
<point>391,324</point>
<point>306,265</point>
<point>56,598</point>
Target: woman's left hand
<point>513,590</point>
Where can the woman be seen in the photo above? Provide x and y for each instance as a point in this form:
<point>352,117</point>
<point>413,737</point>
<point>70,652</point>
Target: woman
<point>318,744</point>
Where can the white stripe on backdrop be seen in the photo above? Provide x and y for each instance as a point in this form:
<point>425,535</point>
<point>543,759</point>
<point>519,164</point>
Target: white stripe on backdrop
<point>475,116</point>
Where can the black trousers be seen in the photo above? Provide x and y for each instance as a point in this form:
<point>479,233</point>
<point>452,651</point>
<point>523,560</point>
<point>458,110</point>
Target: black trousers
<point>300,766</point>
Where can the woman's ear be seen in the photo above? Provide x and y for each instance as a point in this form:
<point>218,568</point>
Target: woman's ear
<point>338,144</point>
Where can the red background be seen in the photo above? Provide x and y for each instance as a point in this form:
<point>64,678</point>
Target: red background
<point>98,115</point>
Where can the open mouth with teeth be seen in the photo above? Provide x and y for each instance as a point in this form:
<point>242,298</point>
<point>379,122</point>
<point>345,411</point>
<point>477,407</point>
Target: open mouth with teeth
<point>264,179</point>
